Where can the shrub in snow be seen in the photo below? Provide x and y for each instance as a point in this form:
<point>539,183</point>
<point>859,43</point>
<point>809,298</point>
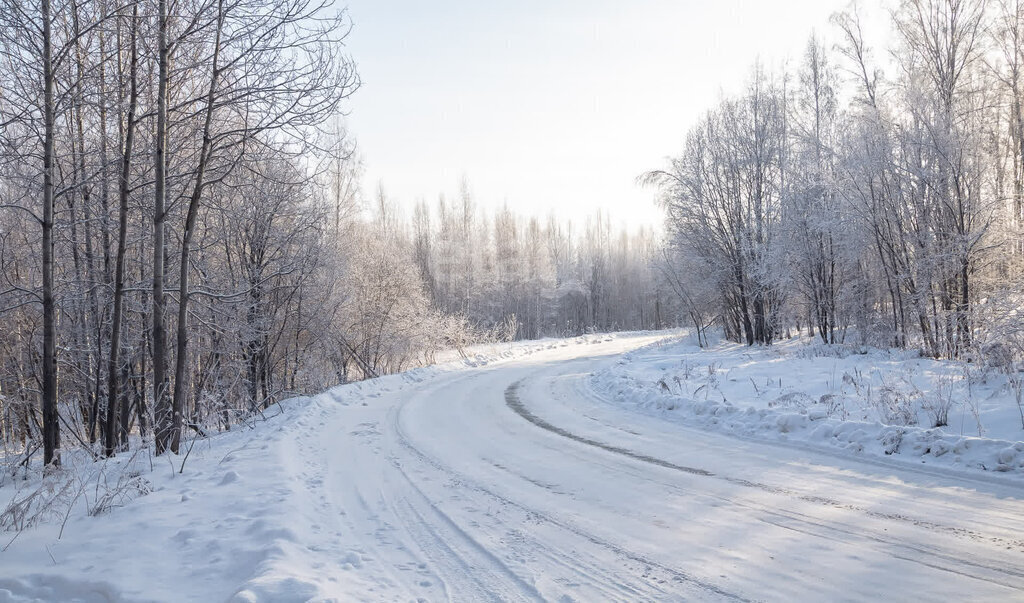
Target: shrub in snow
<point>792,399</point>
<point>834,405</point>
<point>938,404</point>
<point>998,355</point>
<point>1015,380</point>
<point>49,501</point>
<point>853,381</point>
<point>895,406</point>
<point>891,439</point>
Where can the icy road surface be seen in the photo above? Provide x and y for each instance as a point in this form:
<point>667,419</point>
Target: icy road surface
<point>515,482</point>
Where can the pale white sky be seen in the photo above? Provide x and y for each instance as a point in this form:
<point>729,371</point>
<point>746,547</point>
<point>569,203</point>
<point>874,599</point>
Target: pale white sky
<point>552,105</point>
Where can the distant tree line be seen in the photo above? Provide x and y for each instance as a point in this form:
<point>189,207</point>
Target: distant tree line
<point>536,277</point>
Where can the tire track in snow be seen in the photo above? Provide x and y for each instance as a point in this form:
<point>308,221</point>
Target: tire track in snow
<point>514,402</point>
<point>679,576</point>
<point>474,559</point>
<point>965,533</point>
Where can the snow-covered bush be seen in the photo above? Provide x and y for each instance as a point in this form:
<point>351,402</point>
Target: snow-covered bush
<point>895,406</point>
<point>47,501</point>
<point>939,402</point>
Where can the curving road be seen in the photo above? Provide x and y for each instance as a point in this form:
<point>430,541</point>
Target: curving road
<point>518,482</point>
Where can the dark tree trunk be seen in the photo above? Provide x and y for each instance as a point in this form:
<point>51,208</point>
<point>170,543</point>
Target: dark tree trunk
<point>51,426</point>
<point>114,374</point>
<point>164,418</point>
<point>181,356</point>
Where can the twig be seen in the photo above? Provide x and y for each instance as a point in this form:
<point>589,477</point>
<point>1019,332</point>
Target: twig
<point>188,452</point>
<point>8,545</point>
<point>95,456</point>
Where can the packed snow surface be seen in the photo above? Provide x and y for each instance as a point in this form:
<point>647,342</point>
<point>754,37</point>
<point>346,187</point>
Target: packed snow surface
<point>563,471</point>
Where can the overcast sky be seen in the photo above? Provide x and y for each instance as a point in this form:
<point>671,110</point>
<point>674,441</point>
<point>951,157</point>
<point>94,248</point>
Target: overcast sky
<point>552,105</point>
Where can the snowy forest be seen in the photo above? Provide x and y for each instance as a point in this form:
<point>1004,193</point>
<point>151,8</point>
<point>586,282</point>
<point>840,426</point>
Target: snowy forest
<point>868,195</point>
<point>184,237</point>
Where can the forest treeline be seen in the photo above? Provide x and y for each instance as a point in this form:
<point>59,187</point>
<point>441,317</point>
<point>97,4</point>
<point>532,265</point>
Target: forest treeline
<point>184,241</point>
<point>865,194</point>
<point>185,238</point>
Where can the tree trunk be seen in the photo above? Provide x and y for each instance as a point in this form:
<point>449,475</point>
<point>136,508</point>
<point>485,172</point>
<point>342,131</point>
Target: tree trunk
<point>163,416</point>
<point>114,373</point>
<point>181,357</point>
<point>51,427</point>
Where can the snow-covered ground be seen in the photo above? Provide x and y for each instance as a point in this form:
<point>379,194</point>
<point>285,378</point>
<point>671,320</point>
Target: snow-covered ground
<point>862,402</point>
<point>521,478</point>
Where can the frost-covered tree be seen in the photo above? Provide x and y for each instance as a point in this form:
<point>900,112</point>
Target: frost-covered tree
<point>816,221</point>
<point>845,199</point>
<point>724,201</point>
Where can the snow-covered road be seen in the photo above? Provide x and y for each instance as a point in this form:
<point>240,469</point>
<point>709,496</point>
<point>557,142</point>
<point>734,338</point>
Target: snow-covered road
<point>516,481</point>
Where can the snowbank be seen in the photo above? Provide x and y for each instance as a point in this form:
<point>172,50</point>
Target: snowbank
<point>864,402</point>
